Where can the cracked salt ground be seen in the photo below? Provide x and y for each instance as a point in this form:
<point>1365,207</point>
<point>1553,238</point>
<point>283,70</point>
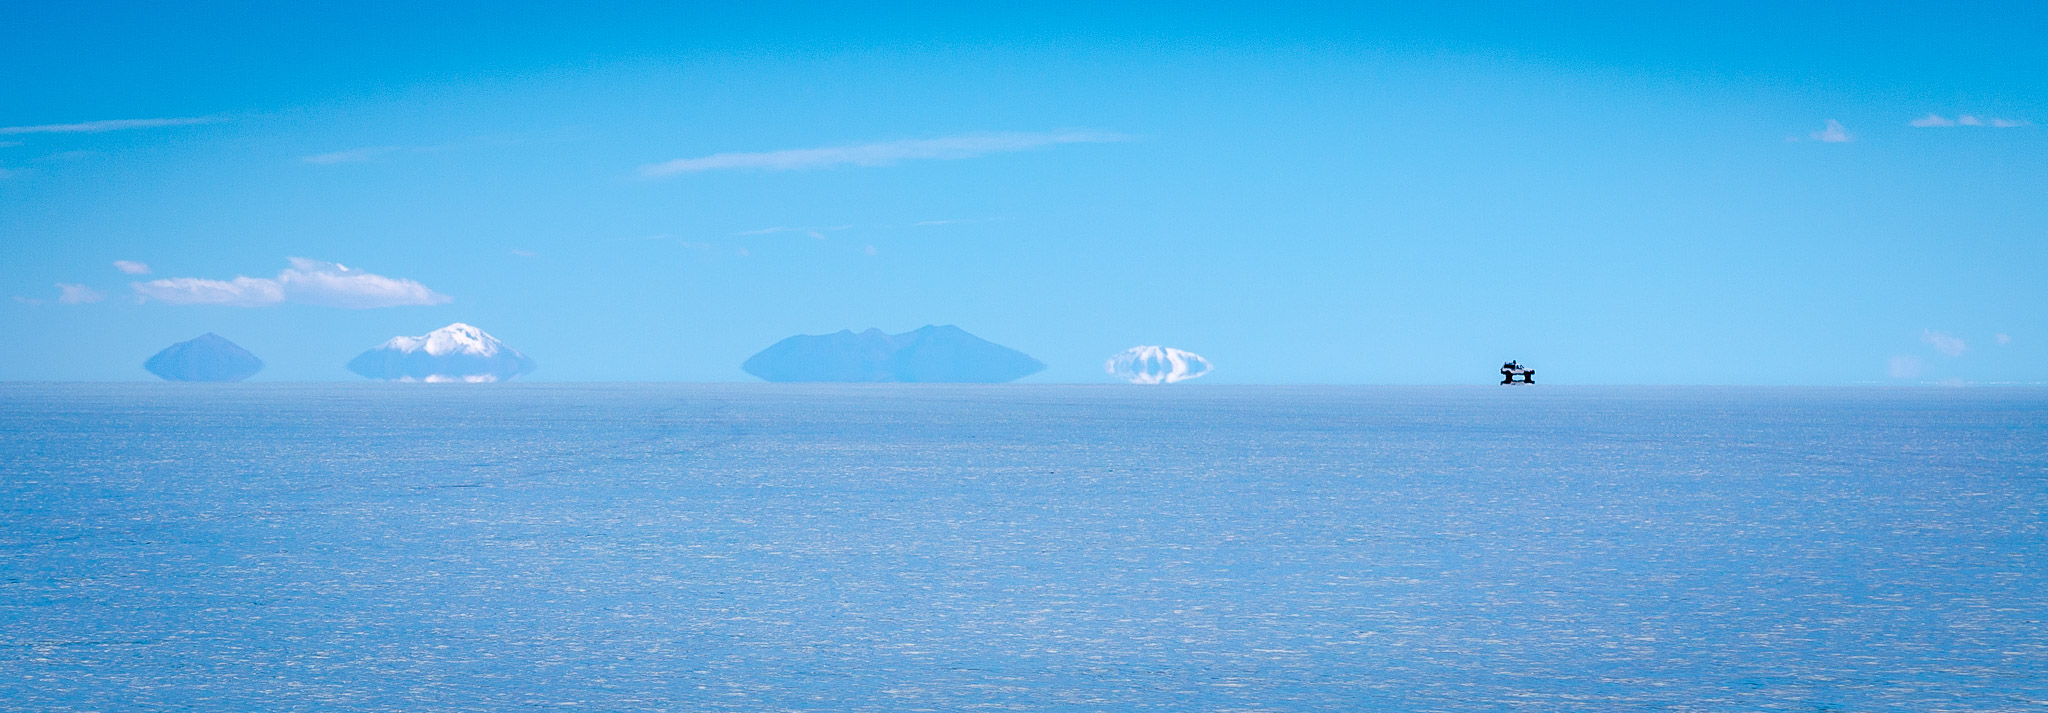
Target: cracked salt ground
<point>667,548</point>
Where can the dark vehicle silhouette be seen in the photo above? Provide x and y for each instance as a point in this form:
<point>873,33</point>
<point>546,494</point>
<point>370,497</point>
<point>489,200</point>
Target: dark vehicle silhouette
<point>1511,370</point>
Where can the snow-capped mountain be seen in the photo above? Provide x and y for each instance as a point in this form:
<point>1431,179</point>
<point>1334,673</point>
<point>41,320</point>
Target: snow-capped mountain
<point>1156,365</point>
<point>457,352</point>
<point>454,338</point>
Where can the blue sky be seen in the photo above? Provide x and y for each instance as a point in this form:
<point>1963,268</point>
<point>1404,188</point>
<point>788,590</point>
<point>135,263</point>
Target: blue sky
<point>1302,194</point>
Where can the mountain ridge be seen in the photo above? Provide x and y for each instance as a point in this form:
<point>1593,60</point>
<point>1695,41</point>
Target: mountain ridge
<point>928,354</point>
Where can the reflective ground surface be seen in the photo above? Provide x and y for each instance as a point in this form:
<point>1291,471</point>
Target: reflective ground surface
<point>758,547</point>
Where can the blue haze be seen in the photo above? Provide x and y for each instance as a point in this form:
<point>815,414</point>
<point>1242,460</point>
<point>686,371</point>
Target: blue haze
<point>1307,193</point>
<point>678,548</point>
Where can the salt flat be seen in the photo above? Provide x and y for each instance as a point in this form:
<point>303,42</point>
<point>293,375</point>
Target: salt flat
<point>769,547</point>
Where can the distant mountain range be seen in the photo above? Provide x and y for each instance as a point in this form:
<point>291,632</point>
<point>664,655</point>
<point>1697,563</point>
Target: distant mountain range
<point>457,352</point>
<point>208,357</point>
<point>930,354</point>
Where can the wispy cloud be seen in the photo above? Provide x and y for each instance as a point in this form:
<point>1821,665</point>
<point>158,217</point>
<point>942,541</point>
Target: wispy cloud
<point>94,127</point>
<point>239,292</point>
<point>313,282</point>
<point>372,153</point>
<point>1944,342</point>
<point>2003,339</point>
<point>814,232</point>
<point>879,154</point>
<point>350,156</point>
<point>1937,121</point>
<point>71,294</point>
<point>131,267</point>
<point>953,221</point>
<point>1833,133</point>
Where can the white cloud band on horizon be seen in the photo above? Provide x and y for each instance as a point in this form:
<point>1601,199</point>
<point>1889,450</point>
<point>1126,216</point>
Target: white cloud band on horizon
<point>313,282</point>
<point>879,154</point>
<point>94,127</point>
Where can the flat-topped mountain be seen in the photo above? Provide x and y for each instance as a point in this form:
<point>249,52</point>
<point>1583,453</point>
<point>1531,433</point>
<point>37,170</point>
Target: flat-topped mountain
<point>457,352</point>
<point>1156,365</point>
<point>208,357</point>
<point>929,354</point>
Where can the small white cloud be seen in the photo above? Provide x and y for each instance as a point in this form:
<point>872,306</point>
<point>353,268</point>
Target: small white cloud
<point>1937,121</point>
<point>878,154</point>
<point>94,127</point>
<point>2003,339</point>
<point>872,251</point>
<point>26,300</point>
<point>1903,367</point>
<point>349,156</point>
<point>1944,342</point>
<point>71,294</point>
<point>131,267</point>
<point>523,253</point>
<point>313,282</point>
<point>1833,133</point>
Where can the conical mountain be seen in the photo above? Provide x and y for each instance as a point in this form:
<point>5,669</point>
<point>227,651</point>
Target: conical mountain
<point>208,357</point>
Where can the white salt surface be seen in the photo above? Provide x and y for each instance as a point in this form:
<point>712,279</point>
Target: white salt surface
<point>890,548</point>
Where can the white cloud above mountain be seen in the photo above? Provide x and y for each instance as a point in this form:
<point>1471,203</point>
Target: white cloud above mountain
<point>313,282</point>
